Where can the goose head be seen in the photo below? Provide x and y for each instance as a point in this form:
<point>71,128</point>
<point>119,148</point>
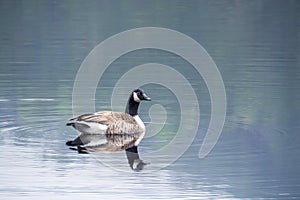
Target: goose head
<point>134,100</point>
<point>139,95</point>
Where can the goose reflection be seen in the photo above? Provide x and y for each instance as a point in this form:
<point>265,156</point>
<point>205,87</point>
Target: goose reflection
<point>134,160</point>
<point>112,131</point>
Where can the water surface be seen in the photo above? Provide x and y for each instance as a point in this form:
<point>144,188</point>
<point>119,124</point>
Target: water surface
<point>255,45</point>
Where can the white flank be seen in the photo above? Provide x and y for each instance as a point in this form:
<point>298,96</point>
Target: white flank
<point>90,127</point>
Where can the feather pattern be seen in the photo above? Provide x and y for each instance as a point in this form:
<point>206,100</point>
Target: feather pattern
<point>116,122</point>
<point>110,131</point>
<point>122,131</point>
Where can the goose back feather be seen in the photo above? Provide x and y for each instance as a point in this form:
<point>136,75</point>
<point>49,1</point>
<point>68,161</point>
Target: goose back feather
<point>112,131</point>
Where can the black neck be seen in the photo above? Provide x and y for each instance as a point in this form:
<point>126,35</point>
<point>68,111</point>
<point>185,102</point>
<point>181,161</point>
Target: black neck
<point>132,149</point>
<point>132,107</point>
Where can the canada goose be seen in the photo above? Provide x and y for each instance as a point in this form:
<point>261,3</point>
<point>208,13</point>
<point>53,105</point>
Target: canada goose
<point>112,131</point>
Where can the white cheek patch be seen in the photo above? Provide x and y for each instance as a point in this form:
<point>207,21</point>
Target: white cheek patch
<point>136,98</point>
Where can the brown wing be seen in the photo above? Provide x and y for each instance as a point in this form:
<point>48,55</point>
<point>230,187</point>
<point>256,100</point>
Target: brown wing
<point>117,122</point>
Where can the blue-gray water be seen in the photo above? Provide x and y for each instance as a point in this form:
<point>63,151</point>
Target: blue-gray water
<point>255,45</point>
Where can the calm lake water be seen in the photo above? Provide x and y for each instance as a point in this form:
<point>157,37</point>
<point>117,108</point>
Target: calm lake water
<point>255,45</point>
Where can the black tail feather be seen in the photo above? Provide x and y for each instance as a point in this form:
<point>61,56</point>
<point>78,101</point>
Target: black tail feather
<point>70,143</point>
<point>70,124</point>
<point>76,142</point>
